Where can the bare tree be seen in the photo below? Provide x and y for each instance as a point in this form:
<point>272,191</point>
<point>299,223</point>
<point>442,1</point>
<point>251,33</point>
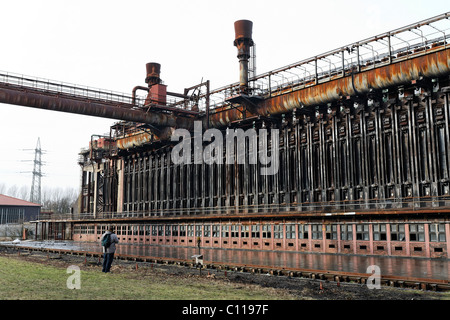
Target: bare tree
<point>24,192</point>
<point>58,200</point>
<point>13,191</point>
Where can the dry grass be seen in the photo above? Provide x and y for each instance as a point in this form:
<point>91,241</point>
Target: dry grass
<point>22,279</point>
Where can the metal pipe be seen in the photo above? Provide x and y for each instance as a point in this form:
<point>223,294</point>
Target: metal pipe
<point>178,95</point>
<point>133,93</point>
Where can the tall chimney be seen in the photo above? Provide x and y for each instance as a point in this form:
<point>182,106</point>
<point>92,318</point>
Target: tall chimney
<point>243,41</point>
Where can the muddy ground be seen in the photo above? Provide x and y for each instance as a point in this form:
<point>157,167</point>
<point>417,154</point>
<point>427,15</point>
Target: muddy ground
<point>301,288</point>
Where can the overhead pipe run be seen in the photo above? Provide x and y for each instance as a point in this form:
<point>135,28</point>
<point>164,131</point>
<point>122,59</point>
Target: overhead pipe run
<point>36,99</point>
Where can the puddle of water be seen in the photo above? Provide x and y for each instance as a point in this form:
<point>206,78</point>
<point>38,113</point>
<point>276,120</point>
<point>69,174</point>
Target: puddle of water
<point>407,267</point>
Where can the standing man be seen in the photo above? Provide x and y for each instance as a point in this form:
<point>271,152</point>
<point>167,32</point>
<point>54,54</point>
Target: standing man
<point>108,241</point>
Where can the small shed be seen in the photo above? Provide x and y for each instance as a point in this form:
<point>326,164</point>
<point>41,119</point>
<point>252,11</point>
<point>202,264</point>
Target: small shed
<point>13,210</point>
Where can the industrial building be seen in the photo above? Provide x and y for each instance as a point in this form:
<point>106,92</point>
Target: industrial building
<point>346,152</point>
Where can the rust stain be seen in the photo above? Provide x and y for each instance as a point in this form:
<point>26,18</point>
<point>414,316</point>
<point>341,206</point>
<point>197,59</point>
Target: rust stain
<point>223,116</point>
<point>134,140</point>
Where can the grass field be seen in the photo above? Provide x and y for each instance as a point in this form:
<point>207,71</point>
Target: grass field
<point>21,279</point>
<point>41,276</point>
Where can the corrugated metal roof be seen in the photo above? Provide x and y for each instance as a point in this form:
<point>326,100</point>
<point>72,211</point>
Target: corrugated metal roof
<point>10,201</point>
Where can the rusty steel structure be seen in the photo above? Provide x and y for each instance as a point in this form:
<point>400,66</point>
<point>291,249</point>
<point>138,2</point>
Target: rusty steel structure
<point>363,150</point>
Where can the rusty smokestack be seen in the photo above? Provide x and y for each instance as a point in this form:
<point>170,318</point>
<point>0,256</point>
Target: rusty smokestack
<point>153,72</point>
<point>157,91</point>
<point>243,41</point>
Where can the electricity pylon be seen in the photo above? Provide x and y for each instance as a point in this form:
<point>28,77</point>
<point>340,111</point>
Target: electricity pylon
<point>35,194</point>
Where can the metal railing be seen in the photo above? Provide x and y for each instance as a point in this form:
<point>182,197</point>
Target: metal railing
<point>68,89</point>
<point>330,208</point>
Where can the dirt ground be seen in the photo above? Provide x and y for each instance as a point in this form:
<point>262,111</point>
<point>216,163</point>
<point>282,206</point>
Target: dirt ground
<point>303,289</point>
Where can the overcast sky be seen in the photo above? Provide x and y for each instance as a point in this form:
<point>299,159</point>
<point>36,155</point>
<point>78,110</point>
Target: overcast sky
<point>106,44</point>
